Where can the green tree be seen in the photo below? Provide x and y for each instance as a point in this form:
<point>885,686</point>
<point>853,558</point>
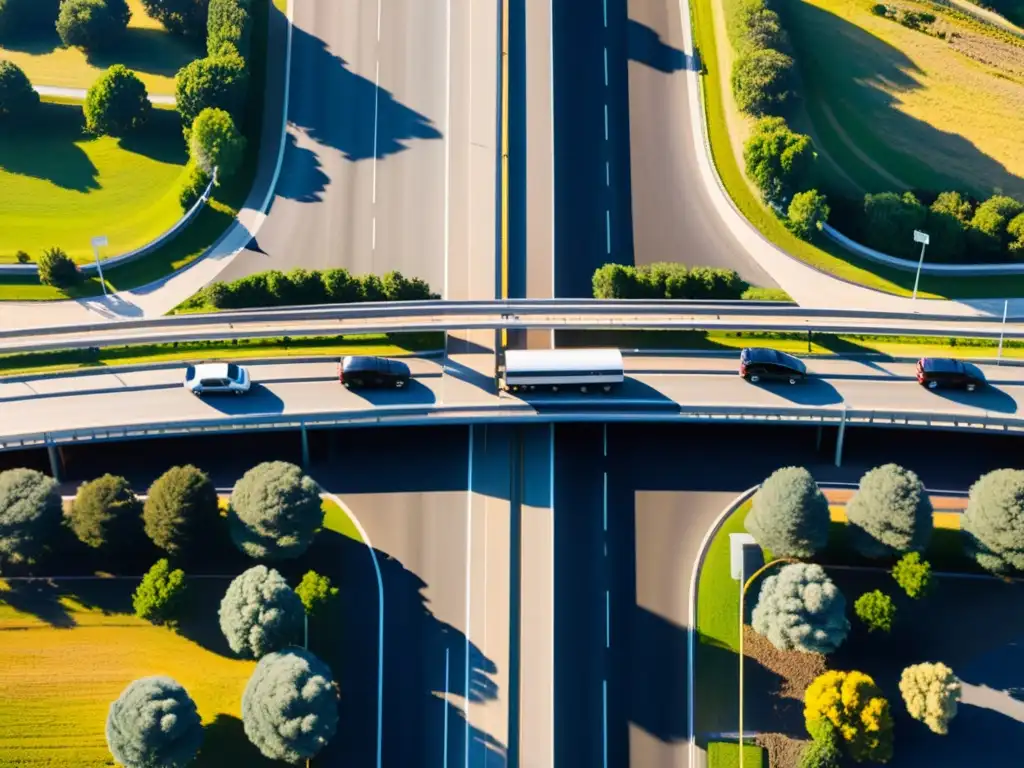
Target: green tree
<point>290,706</point>
<point>30,512</point>
<point>21,19</point>
<point>914,575</point>
<point>947,223</point>
<point>57,269</point>
<point>988,235</point>
<point>260,613</point>
<point>227,23</point>
<point>778,161</point>
<point>1015,231</point>
<point>789,514</point>
<point>216,143</point>
<point>807,212</point>
<point>193,187</point>
<point>763,81</point>
<point>931,692</point>
<point>153,723</point>
<point>339,286</point>
<point>890,513</point>
<point>800,608</point>
<point>18,100</point>
<point>182,17</point>
<point>180,510</point>
<point>824,750</point>
<point>876,610</point>
<point>890,221</point>
<point>158,598</point>
<point>91,24</point>
<point>315,591</point>
<point>854,704</point>
<point>117,103</point>
<point>994,521</point>
<point>217,82</point>
<point>275,511</point>
<point>107,513</point>
<point>614,281</point>
<point>763,29</point>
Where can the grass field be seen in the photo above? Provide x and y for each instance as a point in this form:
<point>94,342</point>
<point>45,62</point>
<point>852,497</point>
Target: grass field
<point>61,187</point>
<point>892,105</point>
<point>724,754</point>
<point>148,49</point>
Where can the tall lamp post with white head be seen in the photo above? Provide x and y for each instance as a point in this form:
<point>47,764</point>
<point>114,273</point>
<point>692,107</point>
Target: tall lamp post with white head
<point>922,238</point>
<point>97,243</point>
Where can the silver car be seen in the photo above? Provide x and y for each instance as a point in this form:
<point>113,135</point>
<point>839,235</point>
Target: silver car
<point>217,377</point>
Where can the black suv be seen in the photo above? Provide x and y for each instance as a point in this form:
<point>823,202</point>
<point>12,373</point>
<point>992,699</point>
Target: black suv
<point>935,372</point>
<point>760,364</point>
<point>357,371</point>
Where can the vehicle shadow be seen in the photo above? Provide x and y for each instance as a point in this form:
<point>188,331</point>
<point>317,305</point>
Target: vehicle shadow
<point>258,402</point>
<point>632,392</point>
<point>413,393</point>
<point>812,391</point>
<point>987,398</point>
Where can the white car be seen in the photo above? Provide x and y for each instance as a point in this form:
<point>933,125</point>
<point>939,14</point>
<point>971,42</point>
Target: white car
<point>217,377</point>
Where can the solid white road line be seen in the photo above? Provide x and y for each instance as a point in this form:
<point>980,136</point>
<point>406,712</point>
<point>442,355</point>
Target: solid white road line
<point>444,749</point>
<point>448,137</point>
<point>469,561</point>
<point>290,14</point>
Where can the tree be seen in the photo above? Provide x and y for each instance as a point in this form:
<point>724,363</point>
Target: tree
<point>876,610</point>
<point>227,23</point>
<point>158,596</point>
<point>931,692</point>
<point>194,187</point>
<point>214,82</point>
<point>947,222</point>
<point>914,575</point>
<point>92,24</point>
<point>216,143</point>
<point>182,17</point>
<point>988,231</point>
<point>290,706</point>
<point>890,513</point>
<point>779,161</point>
<point>181,507</point>
<point>994,521</point>
<point>57,269</point>
<point>18,100</point>
<point>612,281</point>
<point>799,608</point>
<point>26,18</point>
<point>763,29</point>
<point>763,81</point>
<point>106,512</point>
<point>339,286</point>
<point>823,751</point>
<point>260,613</point>
<point>30,510</point>
<point>275,511</point>
<point>789,514</point>
<point>315,591</point>
<point>858,710</point>
<point>117,103</point>
<point>152,723</point>
<point>807,212</point>
<point>1015,230</point>
<point>890,221</point>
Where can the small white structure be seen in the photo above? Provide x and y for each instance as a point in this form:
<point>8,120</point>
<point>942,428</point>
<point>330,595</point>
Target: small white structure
<point>739,544</point>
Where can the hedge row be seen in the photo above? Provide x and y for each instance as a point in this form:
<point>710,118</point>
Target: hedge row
<point>666,281</point>
<point>228,23</point>
<point>303,286</point>
<point>764,78</point>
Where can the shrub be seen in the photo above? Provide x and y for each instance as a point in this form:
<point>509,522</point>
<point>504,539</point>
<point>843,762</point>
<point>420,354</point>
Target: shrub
<point>823,751</point>
<point>763,81</point>
<point>18,100</point>
<point>764,30</point>
<point>106,511</point>
<point>988,230</point>
<point>290,706</point>
<point>789,514</point>
<point>1015,230</point>
<point>193,188</point>
<point>857,709</point>
<point>994,521</point>
<point>876,610</point>
<point>22,257</point>
<point>398,287</point>
<point>27,18</point>
<point>799,608</point>
<point>613,281</point>
<point>947,220</point>
<point>913,574</point>
<point>260,613</point>
<point>778,161</point>
<point>181,507</point>
<point>666,281</point>
<point>890,513</point>
<point>217,82</point>
<point>215,143</point>
<point>228,23</point>
<point>339,286</point>
<point>931,692</point>
<point>159,594</point>
<point>182,17</point>
<point>302,286</point>
<point>154,722</point>
<point>315,591</point>
<point>30,510</point>
<point>57,269</point>
<point>890,221</point>
<point>91,24</point>
<point>371,288</point>
<point>275,511</point>
<point>807,212</point>
<point>117,103</point>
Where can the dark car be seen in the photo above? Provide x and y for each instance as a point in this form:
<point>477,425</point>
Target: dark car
<point>759,364</point>
<point>357,371</point>
<point>935,372</point>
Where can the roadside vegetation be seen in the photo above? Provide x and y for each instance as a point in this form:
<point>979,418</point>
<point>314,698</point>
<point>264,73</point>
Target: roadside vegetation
<point>669,280</point>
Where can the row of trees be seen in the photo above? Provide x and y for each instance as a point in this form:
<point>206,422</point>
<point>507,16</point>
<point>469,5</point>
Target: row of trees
<point>764,77</point>
<point>666,281</point>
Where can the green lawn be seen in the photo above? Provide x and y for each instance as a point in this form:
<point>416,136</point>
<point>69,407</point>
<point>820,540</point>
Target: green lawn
<point>61,187</point>
<point>147,49</point>
<point>724,754</point>
<point>822,254</point>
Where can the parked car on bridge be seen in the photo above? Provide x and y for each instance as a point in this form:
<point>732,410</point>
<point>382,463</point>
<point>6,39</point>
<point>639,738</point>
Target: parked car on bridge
<point>359,371</point>
<point>936,372</point>
<point>759,364</point>
<point>208,378</point>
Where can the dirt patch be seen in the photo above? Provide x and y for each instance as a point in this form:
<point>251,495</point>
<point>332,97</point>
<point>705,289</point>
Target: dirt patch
<point>796,670</point>
<point>783,751</point>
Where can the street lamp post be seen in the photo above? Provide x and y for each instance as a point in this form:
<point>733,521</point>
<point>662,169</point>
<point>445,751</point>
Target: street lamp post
<point>97,243</point>
<point>922,238</point>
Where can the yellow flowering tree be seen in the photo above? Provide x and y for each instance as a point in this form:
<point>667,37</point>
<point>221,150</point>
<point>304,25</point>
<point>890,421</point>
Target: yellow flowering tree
<point>856,707</point>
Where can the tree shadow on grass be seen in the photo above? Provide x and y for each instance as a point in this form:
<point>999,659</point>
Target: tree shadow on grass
<point>225,743</point>
<point>146,49</point>
<point>159,139</point>
<point>38,44</point>
<point>47,150</point>
<point>40,599</point>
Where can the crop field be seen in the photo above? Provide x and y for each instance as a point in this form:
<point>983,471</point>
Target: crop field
<point>935,108</point>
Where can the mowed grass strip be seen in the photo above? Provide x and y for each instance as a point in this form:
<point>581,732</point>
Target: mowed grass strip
<point>153,53</point>
<point>726,754</point>
<point>61,187</point>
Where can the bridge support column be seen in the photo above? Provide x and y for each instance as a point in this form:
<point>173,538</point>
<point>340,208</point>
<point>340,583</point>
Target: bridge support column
<point>56,462</point>
<point>839,440</point>
<point>817,438</point>
<point>305,447</point>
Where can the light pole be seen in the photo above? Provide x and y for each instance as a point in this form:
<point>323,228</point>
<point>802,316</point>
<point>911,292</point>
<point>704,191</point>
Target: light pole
<point>1002,331</point>
<point>97,243</point>
<point>922,238</point>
